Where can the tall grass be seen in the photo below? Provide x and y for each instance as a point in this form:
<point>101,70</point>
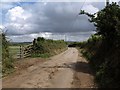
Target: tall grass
<point>0,54</point>
<point>7,61</point>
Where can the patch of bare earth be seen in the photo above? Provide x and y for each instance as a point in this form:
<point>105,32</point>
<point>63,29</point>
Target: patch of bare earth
<point>21,65</point>
<point>24,63</point>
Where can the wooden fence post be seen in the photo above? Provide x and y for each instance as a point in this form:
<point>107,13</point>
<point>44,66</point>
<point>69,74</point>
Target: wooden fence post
<point>20,51</point>
<point>23,52</point>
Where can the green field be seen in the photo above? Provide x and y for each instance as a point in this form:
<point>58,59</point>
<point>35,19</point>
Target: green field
<point>14,50</point>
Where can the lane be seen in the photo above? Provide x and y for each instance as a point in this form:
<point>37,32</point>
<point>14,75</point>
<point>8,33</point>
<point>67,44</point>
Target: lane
<point>57,72</point>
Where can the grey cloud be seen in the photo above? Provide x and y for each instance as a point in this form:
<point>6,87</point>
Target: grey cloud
<point>99,5</point>
<point>119,2</point>
<point>57,18</point>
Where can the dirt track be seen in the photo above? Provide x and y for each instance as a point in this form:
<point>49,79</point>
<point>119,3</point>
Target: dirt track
<point>66,70</point>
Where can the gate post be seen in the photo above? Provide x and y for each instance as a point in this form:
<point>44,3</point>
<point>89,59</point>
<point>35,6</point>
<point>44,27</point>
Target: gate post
<point>20,51</point>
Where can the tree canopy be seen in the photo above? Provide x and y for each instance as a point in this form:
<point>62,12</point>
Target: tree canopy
<point>106,21</point>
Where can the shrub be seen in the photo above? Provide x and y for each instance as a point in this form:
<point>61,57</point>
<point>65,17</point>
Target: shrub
<point>45,47</point>
<point>7,61</point>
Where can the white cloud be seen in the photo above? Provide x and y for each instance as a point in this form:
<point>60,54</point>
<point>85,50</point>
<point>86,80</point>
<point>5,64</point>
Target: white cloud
<point>30,37</point>
<point>17,21</point>
<point>45,3</point>
<point>114,0</point>
<point>41,34</point>
<point>2,27</point>
<point>17,13</point>
<point>79,36</point>
<point>90,9</point>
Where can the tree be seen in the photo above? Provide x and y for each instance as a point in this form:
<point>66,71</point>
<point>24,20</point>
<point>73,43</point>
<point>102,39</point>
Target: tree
<point>106,59</point>
<point>107,22</point>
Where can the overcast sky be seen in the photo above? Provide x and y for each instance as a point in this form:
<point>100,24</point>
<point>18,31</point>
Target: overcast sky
<point>25,21</point>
